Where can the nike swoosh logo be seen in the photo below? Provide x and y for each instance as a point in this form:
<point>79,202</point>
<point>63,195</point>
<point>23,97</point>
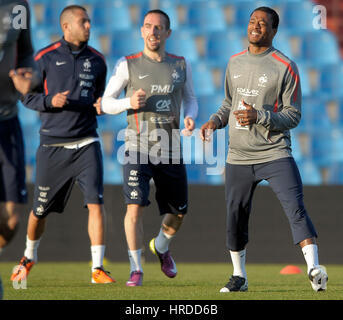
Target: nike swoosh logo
<point>181,208</point>
<point>60,63</point>
<point>142,77</point>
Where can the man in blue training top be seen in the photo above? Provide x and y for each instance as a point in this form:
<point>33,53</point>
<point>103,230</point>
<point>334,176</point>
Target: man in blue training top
<point>73,79</point>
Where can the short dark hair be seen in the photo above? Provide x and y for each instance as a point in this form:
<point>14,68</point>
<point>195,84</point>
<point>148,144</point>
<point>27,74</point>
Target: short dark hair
<point>162,13</point>
<point>272,12</point>
<point>72,8</point>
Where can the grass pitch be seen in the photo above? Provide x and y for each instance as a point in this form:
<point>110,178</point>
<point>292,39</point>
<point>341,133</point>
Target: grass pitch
<point>195,281</point>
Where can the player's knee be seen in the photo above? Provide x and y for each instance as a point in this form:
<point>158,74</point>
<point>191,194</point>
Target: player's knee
<point>133,213</point>
<point>8,231</point>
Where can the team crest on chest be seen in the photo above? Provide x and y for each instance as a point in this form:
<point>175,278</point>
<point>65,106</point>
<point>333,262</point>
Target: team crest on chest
<point>87,66</point>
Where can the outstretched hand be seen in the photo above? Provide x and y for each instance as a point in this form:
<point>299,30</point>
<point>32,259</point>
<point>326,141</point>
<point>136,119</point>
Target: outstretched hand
<point>207,130</point>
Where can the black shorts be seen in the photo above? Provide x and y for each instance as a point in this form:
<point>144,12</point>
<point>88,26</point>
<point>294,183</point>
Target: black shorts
<point>170,182</point>
<point>12,162</point>
<point>58,169</point>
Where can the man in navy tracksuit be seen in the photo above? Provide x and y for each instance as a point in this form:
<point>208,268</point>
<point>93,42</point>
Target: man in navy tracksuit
<point>73,76</point>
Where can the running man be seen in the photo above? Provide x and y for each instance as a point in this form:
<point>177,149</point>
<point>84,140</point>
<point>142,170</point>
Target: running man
<point>73,76</point>
<point>16,66</point>
<point>262,89</point>
<point>156,84</point>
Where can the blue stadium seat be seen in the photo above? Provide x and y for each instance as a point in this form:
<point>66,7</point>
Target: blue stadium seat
<point>306,89</point>
<point>320,48</point>
<point>208,104</point>
<point>297,16</point>
<point>296,148</point>
<point>336,143</point>
<point>244,8</point>
<point>202,79</point>
<point>182,43</point>
<point>335,174</point>
<point>331,81</point>
<point>94,41</point>
<point>40,38</point>
<point>195,173</point>
<point>314,116</point>
<point>170,8</point>
<point>126,42</point>
<point>309,173</point>
<point>113,16</point>
<point>220,46</point>
<point>112,123</point>
<point>339,116</point>
<point>281,43</point>
<point>113,171</point>
<point>206,17</point>
<point>27,116</point>
<point>321,146</point>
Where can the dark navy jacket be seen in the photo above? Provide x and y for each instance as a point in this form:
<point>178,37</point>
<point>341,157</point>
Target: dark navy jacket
<point>84,74</point>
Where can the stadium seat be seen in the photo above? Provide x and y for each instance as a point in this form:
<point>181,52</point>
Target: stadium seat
<point>27,116</point>
<point>113,171</point>
<point>281,43</point>
<point>304,80</point>
<point>202,79</point>
<point>113,16</point>
<point>220,46</point>
<point>208,104</point>
<point>335,174</point>
<point>331,81</point>
<point>320,48</point>
<point>296,148</point>
<point>40,38</point>
<point>195,173</point>
<point>112,123</point>
<point>314,116</point>
<point>321,146</point>
<point>126,42</point>
<point>206,17</point>
<point>297,16</point>
<point>309,173</point>
<point>170,8</point>
<point>182,43</point>
<point>244,8</point>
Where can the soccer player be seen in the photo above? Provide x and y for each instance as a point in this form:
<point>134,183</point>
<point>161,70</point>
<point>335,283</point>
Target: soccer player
<point>73,76</point>
<point>262,103</point>
<point>16,63</point>
<point>156,84</point>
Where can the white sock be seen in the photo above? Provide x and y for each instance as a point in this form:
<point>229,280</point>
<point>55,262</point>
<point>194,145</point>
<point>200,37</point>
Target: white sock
<point>135,260</point>
<point>162,241</point>
<point>98,253</point>
<point>311,256</point>
<point>31,249</point>
<point>238,262</point>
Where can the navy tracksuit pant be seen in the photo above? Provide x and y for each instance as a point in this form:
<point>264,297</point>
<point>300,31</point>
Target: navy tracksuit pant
<point>284,179</point>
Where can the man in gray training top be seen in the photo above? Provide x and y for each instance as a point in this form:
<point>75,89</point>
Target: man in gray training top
<point>262,103</point>
<point>156,83</point>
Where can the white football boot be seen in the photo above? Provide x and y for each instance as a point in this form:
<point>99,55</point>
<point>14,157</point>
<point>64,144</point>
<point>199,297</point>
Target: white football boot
<point>318,278</point>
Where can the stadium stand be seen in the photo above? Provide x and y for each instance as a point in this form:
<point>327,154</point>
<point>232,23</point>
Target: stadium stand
<point>207,33</point>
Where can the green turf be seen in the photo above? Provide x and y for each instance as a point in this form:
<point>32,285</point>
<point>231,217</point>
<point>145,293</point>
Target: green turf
<point>71,281</point>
